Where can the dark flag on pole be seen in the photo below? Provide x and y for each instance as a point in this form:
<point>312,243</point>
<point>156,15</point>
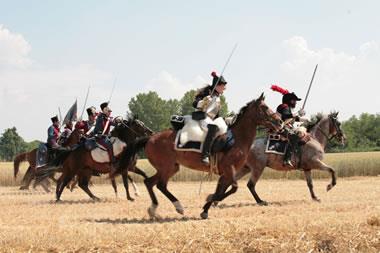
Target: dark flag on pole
<point>71,115</point>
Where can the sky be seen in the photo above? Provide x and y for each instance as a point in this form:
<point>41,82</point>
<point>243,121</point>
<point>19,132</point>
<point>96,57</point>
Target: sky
<point>51,51</point>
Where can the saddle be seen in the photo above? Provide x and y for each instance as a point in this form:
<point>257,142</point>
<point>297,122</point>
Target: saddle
<point>190,135</point>
<point>277,143</point>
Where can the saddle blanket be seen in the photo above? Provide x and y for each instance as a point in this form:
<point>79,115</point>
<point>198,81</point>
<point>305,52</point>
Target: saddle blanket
<point>193,134</point>
<point>275,145</point>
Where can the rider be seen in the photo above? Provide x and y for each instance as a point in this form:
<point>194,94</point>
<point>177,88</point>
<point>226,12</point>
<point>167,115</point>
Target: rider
<point>208,104</point>
<point>66,133</point>
<point>54,133</point>
<point>289,102</point>
<point>103,124</point>
<point>88,126</point>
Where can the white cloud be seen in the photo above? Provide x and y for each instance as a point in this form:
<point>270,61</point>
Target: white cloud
<point>14,49</point>
<point>346,82</point>
<point>30,93</point>
<point>168,86</point>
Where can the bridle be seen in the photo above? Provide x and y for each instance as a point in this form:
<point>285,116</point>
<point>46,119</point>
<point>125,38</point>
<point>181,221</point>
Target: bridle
<point>338,131</point>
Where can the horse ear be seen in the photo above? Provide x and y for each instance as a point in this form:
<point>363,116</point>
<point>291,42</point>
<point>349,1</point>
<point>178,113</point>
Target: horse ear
<point>262,97</point>
<point>336,114</point>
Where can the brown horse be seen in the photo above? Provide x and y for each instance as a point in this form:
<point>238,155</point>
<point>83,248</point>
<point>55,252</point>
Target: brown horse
<point>160,152</point>
<point>81,163</point>
<point>31,158</point>
<point>321,132</point>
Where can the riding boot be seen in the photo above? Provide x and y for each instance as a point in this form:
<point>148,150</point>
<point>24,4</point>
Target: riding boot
<point>288,156</point>
<point>212,130</point>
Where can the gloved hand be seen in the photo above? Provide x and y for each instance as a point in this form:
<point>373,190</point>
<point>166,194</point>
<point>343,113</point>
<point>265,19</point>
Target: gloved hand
<point>203,104</point>
<point>301,113</point>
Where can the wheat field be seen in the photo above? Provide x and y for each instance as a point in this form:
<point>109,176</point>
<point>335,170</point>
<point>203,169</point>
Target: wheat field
<point>347,220</point>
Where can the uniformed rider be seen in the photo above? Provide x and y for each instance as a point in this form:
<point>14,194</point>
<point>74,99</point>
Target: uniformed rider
<point>66,133</point>
<point>285,109</point>
<point>54,133</point>
<point>103,124</point>
<point>208,105</point>
<point>88,126</point>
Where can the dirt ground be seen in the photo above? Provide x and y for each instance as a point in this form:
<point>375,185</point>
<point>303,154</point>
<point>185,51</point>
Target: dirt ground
<point>347,220</point>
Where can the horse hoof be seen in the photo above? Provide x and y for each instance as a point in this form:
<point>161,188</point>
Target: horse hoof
<point>137,194</point>
<point>329,187</point>
<point>58,201</point>
<point>178,207</point>
<point>96,199</point>
<point>263,203</point>
<point>152,211</point>
<point>215,203</point>
<point>131,199</point>
<point>209,198</point>
<point>204,215</point>
<point>316,199</point>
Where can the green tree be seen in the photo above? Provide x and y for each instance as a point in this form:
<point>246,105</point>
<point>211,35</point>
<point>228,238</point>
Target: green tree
<point>11,144</point>
<point>154,111</point>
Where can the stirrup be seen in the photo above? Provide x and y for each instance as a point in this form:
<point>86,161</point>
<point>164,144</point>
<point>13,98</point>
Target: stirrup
<point>289,163</point>
<point>206,160</point>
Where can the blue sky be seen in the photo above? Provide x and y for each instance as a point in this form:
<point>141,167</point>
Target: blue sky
<point>50,51</point>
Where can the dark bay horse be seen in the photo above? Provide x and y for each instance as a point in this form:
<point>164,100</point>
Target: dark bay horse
<point>159,149</point>
<point>80,162</point>
<point>31,158</point>
<point>321,132</point>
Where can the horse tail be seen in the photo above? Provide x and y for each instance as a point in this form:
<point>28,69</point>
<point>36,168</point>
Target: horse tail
<point>52,167</point>
<point>17,161</point>
<point>130,152</point>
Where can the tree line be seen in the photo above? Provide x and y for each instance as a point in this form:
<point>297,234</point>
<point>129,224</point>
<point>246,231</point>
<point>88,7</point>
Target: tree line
<point>363,132</point>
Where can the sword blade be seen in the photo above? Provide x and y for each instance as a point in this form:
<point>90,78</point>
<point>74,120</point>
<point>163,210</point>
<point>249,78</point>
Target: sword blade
<point>85,102</point>
<point>308,90</point>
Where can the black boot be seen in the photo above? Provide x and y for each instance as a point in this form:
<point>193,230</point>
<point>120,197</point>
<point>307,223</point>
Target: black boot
<point>212,130</point>
<point>288,156</point>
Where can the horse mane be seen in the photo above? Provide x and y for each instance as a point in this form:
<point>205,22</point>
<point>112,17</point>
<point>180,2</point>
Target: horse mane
<point>314,121</point>
<point>238,116</point>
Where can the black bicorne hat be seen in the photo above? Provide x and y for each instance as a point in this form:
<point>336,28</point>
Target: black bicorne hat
<point>217,80</point>
<point>289,96</point>
<point>54,119</point>
<point>91,111</point>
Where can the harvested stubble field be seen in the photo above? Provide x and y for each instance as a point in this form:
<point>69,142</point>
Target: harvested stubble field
<point>347,220</point>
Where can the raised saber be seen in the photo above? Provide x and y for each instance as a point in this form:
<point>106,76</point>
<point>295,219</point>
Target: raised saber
<point>224,68</point>
<point>113,88</point>
<point>85,102</point>
<point>308,90</point>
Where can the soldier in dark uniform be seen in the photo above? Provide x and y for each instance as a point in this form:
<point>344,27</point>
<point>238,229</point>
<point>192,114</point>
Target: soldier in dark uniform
<point>208,104</point>
<point>68,129</point>
<point>54,133</point>
<point>88,126</point>
<point>102,129</point>
<point>289,102</point>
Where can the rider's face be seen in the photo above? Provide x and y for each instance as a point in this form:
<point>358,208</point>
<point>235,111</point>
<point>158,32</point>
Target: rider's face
<point>293,103</point>
<point>220,88</point>
<point>56,123</point>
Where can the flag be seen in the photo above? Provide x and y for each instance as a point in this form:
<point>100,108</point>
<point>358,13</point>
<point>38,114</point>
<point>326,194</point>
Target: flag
<point>71,115</point>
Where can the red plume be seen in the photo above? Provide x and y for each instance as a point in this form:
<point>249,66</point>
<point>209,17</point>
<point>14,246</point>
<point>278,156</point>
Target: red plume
<point>213,74</point>
<point>279,89</point>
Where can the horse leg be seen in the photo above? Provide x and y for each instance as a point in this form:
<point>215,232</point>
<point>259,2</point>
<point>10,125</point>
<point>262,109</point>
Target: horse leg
<point>114,185</point>
<point>137,193</point>
<point>149,183</point>
<point>27,179</point>
<point>125,176</point>
<point>223,184</point>
<point>309,182</point>
<point>255,175</point>
<point>83,180</point>
<point>325,167</point>
<point>45,185</point>
<point>62,182</point>
<point>162,186</point>
<point>73,184</point>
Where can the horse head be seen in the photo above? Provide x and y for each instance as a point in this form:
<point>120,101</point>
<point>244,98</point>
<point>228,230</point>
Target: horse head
<point>130,129</point>
<point>266,117</point>
<point>335,129</point>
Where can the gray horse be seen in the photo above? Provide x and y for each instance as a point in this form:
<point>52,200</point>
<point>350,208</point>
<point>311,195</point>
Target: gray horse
<point>321,132</point>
